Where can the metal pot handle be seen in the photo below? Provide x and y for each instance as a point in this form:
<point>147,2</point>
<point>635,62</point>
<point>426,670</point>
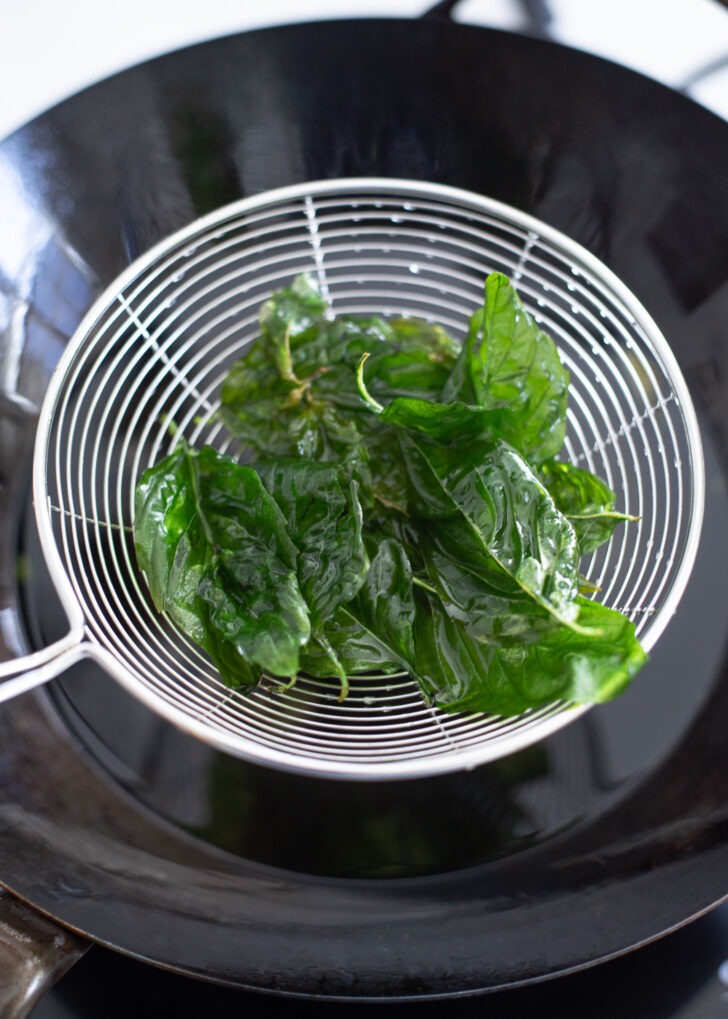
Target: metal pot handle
<point>536,15</point>
<point>34,953</point>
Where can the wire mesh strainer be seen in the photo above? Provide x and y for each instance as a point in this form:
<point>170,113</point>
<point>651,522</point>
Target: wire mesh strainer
<point>152,354</point>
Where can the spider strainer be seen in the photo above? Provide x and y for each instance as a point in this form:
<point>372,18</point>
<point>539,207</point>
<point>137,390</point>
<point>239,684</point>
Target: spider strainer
<point>146,366</point>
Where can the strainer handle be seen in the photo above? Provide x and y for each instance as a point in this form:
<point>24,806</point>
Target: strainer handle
<point>33,670</point>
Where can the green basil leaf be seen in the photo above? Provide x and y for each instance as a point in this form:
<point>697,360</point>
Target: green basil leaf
<point>407,357</point>
<point>294,391</point>
<point>215,549</point>
<point>385,475</point>
<point>519,535</point>
<point>415,362</point>
<point>266,397</point>
<point>324,520</point>
<point>418,521</point>
<point>422,493</point>
<point>384,607</point>
<point>458,673</point>
<point>356,650</point>
<point>287,315</point>
<point>508,364</point>
<point>586,500</point>
<point>443,422</point>
<point>374,629</point>
<point>489,604</point>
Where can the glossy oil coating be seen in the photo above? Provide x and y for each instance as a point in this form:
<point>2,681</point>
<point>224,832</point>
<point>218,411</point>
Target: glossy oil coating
<point>615,831</point>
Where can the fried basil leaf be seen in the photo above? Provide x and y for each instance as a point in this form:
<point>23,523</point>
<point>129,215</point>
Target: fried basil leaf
<point>585,500</point>
<point>374,630</point>
<point>458,673</point>
<point>324,520</point>
<point>518,527</point>
<point>404,511</point>
<point>508,364</point>
<point>294,392</point>
<point>218,559</point>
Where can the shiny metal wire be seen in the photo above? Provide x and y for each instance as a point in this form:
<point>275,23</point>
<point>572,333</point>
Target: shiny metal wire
<point>147,364</point>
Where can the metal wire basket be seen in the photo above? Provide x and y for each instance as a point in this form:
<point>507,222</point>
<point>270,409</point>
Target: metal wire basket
<point>153,352</point>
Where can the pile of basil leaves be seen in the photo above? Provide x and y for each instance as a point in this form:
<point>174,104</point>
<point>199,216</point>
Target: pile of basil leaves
<point>401,508</point>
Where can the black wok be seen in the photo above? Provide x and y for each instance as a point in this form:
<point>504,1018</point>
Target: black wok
<point>607,835</point>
